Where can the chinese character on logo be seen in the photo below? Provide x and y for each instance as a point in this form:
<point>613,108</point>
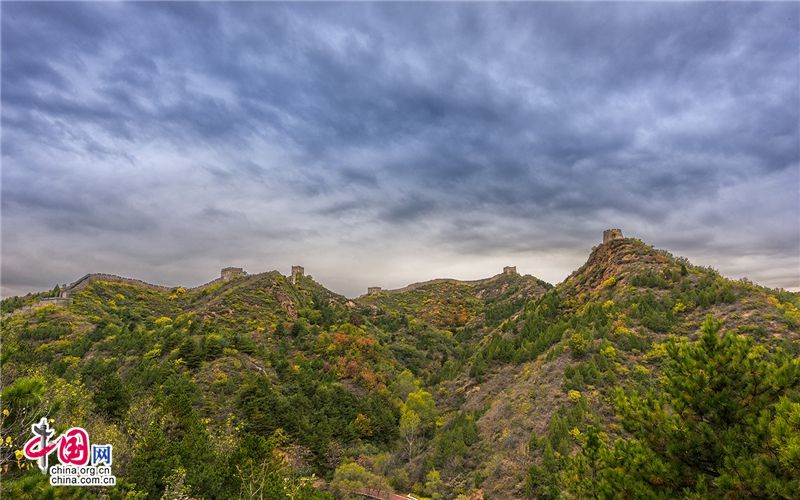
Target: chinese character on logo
<point>101,454</point>
<point>40,452</point>
<point>73,445</point>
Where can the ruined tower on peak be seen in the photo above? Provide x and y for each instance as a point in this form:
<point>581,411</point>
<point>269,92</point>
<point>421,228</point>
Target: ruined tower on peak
<point>297,271</point>
<point>612,234</point>
<point>230,272</point>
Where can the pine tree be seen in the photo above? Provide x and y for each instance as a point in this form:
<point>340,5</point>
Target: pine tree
<point>112,398</point>
<point>724,426</point>
<point>542,481</point>
<point>152,463</point>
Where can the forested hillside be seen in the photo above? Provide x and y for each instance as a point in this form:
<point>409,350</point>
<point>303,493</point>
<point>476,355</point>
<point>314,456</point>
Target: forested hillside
<point>640,376</point>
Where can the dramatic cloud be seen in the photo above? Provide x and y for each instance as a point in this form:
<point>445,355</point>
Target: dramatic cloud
<point>386,143</point>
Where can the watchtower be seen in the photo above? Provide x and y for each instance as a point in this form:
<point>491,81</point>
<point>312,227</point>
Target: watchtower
<point>510,270</point>
<point>374,290</point>
<point>297,271</point>
<point>612,234</point>
<point>230,273</point>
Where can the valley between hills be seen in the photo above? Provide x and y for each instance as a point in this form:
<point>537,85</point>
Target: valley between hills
<point>641,375</point>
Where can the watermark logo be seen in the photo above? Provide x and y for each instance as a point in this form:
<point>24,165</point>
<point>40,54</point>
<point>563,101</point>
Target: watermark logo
<point>82,463</point>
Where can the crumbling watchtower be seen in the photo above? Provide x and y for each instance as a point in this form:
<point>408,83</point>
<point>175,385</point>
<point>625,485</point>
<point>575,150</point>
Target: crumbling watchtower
<point>612,234</point>
<point>297,271</point>
<point>228,273</point>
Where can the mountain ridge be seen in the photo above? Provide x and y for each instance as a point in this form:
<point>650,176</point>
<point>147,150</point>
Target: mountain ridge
<point>501,374</point>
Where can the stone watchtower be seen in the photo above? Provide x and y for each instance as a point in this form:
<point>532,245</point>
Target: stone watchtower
<point>374,290</point>
<point>297,271</point>
<point>230,272</point>
<point>612,234</point>
<point>510,270</point>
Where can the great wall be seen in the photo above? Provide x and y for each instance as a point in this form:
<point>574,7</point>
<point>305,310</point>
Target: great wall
<point>376,290</point>
<point>65,296</point>
<point>226,274</point>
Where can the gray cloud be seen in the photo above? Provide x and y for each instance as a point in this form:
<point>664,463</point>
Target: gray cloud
<point>164,138</point>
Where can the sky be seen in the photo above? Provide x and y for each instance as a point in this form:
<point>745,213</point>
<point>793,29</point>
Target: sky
<point>380,144</point>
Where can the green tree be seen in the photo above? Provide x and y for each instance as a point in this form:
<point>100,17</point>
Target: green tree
<point>577,345</point>
<point>175,489</point>
<point>111,398</point>
<point>542,481</point>
<point>434,487</point>
<point>410,431</point>
<point>421,402</point>
<point>349,479</point>
<point>724,426</point>
<point>785,440</point>
<point>212,347</point>
<point>273,480</point>
<point>404,384</point>
<point>22,404</point>
<point>190,353</point>
<point>558,436</point>
<point>152,463</point>
<point>11,304</point>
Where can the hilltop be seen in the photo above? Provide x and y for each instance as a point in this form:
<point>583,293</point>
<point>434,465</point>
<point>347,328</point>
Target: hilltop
<point>445,388</point>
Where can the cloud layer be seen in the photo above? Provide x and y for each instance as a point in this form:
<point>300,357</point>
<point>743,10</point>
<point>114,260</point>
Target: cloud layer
<point>380,144</point>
